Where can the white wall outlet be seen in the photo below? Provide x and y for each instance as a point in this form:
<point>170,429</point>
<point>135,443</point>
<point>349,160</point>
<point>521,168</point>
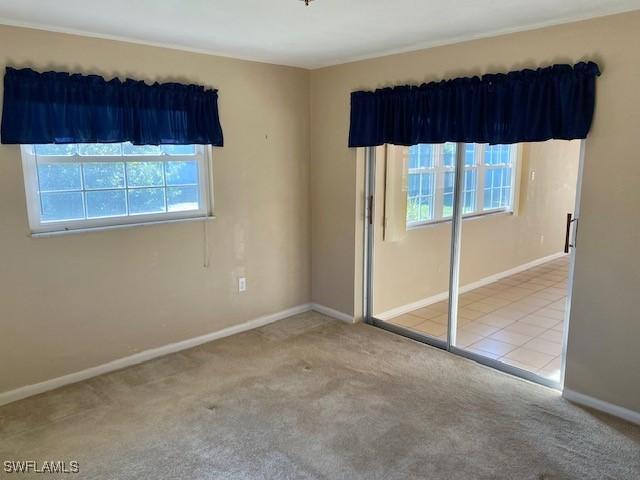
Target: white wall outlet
<point>533,175</point>
<point>242,284</point>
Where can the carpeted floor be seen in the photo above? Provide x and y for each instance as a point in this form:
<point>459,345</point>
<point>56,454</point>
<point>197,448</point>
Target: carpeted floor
<point>309,397</point>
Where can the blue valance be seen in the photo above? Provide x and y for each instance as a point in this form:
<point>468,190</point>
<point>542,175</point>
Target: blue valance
<point>56,107</point>
<point>522,106</point>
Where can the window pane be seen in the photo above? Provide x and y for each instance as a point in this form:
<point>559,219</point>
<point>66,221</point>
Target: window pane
<point>469,205</point>
<point>498,154</point>
<point>146,200</point>
<point>449,155</point>
<point>145,174</point>
<point>502,177</point>
<point>425,208</point>
<point>413,188</point>
<point>59,176</point>
<point>491,157</point>
<point>106,203</point>
<point>182,198</point>
<point>487,159</point>
<point>506,176</point>
<point>56,150</point>
<point>505,154</point>
<point>470,180</point>
<point>100,149</point>
<point>505,199</point>
<point>488,190</point>
<point>447,197</point>
<point>130,149</point>
<point>447,206</point>
<point>99,175</point>
<point>421,156</point>
<point>426,156</point>
<point>496,179</point>
<point>181,173</point>
<point>61,206</point>
<point>497,188</point>
<point>470,154</point>
<point>487,200</point>
<point>413,210</point>
<point>414,155</point>
<point>419,209</point>
<point>426,181</point>
<point>469,202</point>
<point>179,149</point>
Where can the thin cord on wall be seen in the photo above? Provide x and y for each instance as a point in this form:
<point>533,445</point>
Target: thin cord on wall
<point>205,239</point>
<point>209,158</point>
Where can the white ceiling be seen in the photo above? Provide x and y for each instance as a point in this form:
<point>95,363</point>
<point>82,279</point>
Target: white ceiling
<point>286,32</point>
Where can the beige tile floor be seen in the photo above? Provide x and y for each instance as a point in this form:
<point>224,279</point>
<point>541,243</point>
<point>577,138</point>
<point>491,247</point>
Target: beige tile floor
<point>517,320</point>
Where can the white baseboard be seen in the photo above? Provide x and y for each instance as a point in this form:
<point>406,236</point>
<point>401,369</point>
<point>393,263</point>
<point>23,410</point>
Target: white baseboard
<point>409,307</point>
<point>29,390</point>
<point>596,404</point>
<point>330,312</point>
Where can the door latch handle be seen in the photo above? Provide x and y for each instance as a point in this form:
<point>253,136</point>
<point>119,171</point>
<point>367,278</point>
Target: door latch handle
<point>567,237</point>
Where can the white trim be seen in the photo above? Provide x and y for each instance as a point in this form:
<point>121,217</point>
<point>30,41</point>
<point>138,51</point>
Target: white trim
<point>467,217</point>
<point>394,312</point>
<point>410,307</point>
<point>516,184</point>
<point>597,404</point>
<point>330,312</point>
<point>572,266</point>
<point>30,161</point>
<point>29,390</point>
<point>57,233</point>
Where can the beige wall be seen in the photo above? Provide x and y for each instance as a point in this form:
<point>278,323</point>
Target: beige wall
<point>76,301</point>
<point>415,266</point>
<point>605,324</point>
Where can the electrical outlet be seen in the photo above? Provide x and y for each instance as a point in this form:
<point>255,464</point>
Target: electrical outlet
<point>242,284</point>
<point>533,175</point>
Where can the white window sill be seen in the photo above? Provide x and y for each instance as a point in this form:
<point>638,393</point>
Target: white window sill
<point>473,216</point>
<point>74,231</point>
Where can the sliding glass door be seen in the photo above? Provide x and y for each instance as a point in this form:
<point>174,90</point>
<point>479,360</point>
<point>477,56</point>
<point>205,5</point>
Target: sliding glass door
<point>514,272</point>
<point>484,273</point>
<point>414,196</point>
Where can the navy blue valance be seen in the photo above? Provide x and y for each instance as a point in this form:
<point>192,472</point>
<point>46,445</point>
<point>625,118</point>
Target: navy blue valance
<point>56,107</point>
<point>522,106</point>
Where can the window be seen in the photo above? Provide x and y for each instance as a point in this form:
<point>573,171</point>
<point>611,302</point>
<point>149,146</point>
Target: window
<point>79,186</point>
<point>489,181</point>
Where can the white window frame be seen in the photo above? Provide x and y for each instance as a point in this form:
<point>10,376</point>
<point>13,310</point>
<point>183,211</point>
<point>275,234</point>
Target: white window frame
<point>439,170</point>
<point>39,227</point>
<point>428,171</point>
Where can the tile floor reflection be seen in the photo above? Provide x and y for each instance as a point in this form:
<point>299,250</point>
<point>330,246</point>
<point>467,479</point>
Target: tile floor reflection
<point>517,320</point>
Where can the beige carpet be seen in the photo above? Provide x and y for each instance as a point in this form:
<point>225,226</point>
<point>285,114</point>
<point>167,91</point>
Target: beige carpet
<point>307,398</point>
